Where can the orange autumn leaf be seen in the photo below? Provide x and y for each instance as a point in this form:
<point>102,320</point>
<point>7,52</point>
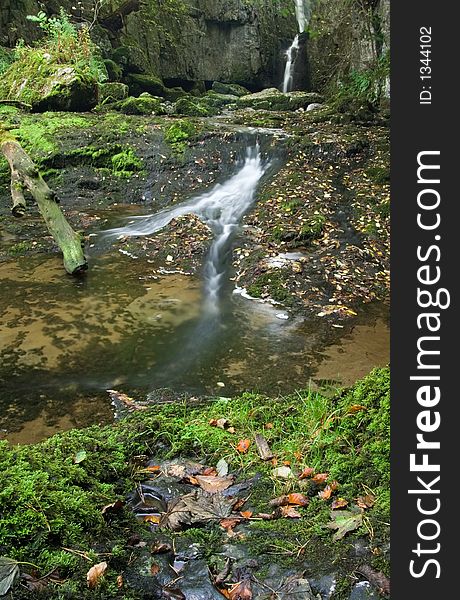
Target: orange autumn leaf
<point>298,455</point>
<point>320,477</point>
<point>268,425</point>
<point>152,519</point>
<point>153,469</point>
<point>355,408</point>
<point>230,523</point>
<point>326,493</point>
<point>154,569</point>
<point>298,499</point>
<point>247,514</point>
<point>307,472</point>
<point>208,471</point>
<point>243,446</point>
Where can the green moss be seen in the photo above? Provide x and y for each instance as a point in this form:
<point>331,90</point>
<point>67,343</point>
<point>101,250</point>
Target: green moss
<point>19,248</point>
<point>179,133</point>
<point>194,108</point>
<point>272,284</point>
<point>48,503</point>
<point>144,105</point>
<point>125,163</point>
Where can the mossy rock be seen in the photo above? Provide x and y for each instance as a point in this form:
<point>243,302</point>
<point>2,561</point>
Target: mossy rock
<point>112,92</point>
<point>145,83</point>
<point>53,87</point>
<point>273,99</point>
<point>217,100</point>
<point>114,71</point>
<point>144,105</point>
<point>194,108</point>
<point>131,59</point>
<point>231,89</point>
<point>174,94</point>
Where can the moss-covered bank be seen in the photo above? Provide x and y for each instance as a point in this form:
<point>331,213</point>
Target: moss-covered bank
<point>53,494</point>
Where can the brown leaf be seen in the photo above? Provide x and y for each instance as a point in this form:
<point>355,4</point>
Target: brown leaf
<point>230,523</point>
<point>307,472</point>
<point>339,503</point>
<point>366,501</point>
<point>153,469</point>
<point>120,581</point>
<point>289,512</point>
<point>241,591</point>
<point>326,493</point>
<point>320,478</point>
<point>298,499</point>
<point>95,573</point>
<point>209,471</point>
<point>214,484</point>
<point>114,507</point>
<point>243,446</point>
<point>155,569</point>
<point>355,408</point>
<point>160,548</point>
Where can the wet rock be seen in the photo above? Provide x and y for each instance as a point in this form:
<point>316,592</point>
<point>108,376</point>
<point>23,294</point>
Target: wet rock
<point>195,583</point>
<point>363,591</point>
<point>112,92</point>
<point>325,586</point>
<point>196,107</point>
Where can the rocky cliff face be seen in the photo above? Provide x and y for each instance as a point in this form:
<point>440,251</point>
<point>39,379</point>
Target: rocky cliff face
<point>182,41</point>
<point>346,36</point>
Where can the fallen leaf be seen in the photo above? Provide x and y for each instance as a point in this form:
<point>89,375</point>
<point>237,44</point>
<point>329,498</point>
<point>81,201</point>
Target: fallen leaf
<point>95,573</point>
<point>152,519</point>
<point>283,472</point>
<point>79,457</point>
<point>243,446</point>
<point>241,591</point>
<point>366,501</point>
<point>120,581</point>
<point>320,478</point>
<point>298,499</point>
<point>326,493</point>
<point>344,521</point>
<point>339,503</point>
<point>153,469</point>
<point>9,570</point>
<point>307,472</point>
<point>247,514</point>
<point>289,512</point>
<point>376,578</point>
<point>355,408</point>
<point>154,569</point>
<point>214,484</point>
<point>114,507</point>
<point>160,548</point>
<point>266,516</point>
<point>222,467</point>
<point>209,471</point>
<point>268,425</point>
<point>196,508</point>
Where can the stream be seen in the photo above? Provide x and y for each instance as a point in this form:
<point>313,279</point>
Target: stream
<point>65,341</point>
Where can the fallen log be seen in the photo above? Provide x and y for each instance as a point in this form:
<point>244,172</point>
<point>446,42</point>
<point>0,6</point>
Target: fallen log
<point>25,175</point>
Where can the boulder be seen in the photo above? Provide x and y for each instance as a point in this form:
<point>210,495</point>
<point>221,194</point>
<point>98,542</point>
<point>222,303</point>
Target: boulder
<point>65,89</point>
<point>139,83</point>
<point>144,105</point>
<point>112,92</point>
<point>273,99</point>
<point>196,107</point>
<point>231,89</point>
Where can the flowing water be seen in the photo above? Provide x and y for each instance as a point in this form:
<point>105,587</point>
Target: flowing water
<point>65,341</point>
<point>302,15</point>
<point>291,56</point>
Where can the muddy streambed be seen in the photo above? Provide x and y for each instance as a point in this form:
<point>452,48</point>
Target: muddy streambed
<point>65,341</point>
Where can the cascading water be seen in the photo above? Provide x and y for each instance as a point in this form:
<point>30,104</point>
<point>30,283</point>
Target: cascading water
<point>221,209</point>
<point>291,54</point>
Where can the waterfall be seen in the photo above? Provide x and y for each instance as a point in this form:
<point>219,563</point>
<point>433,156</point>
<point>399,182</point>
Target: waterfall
<point>302,14</point>
<point>291,55</point>
<point>221,209</point>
